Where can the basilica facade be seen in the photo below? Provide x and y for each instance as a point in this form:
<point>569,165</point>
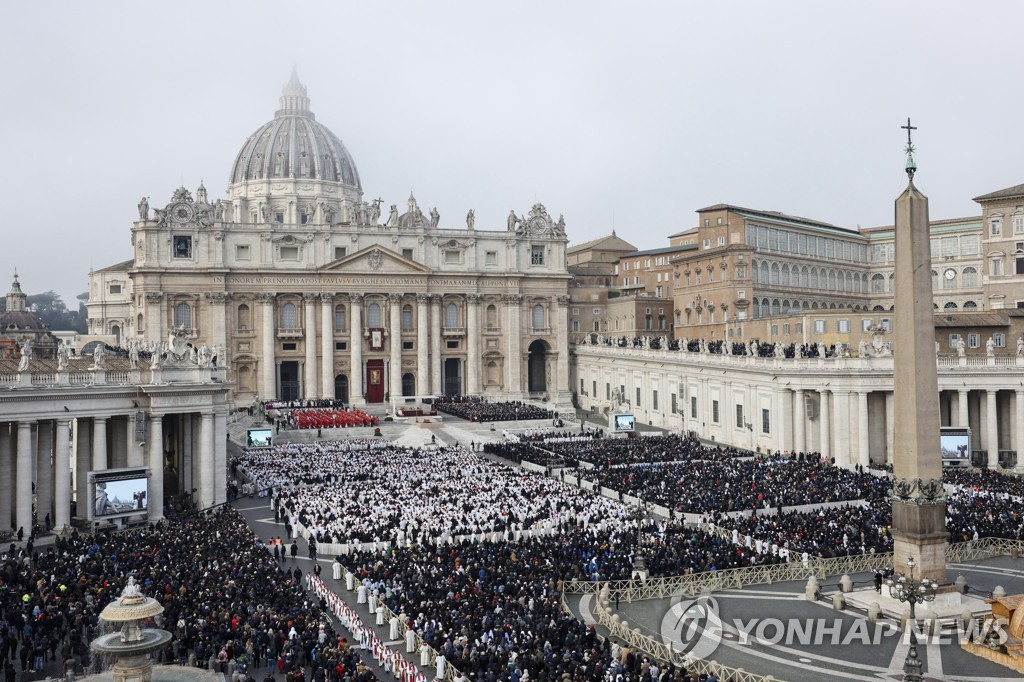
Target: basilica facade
<point>312,292</point>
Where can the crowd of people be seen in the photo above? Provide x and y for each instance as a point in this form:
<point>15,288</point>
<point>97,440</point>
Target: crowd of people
<point>610,452</point>
<point>752,348</point>
<point>329,418</point>
<point>228,604</point>
<point>984,479</point>
<point>475,409</point>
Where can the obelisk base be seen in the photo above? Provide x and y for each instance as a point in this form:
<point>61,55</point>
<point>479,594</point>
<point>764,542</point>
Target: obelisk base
<point>919,531</point>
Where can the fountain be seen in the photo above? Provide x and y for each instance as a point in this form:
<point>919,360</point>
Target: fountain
<point>132,644</point>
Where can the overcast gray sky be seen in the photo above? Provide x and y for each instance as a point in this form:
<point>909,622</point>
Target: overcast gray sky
<point>632,114</point>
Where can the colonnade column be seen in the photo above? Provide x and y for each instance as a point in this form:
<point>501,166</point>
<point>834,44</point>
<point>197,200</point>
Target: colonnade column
<point>992,429</point>
<point>863,433</point>
<point>220,457</point>
<point>799,421</point>
<point>6,482</point>
<point>206,457</point>
<point>327,345</point>
<point>268,364</point>
<point>422,344</point>
<point>513,362</point>
<point>963,408</point>
<point>356,350</point>
<point>841,408</point>
<point>395,375</point>
<point>472,344</point>
<point>435,344</point>
<point>1018,428</point>
<point>156,466</point>
<point>889,430</point>
<point>82,459</point>
<point>136,458</point>
<point>99,443</point>
<point>62,475</point>
<point>560,394</point>
<point>309,338</point>
<point>44,470</point>
<point>23,503</point>
<point>823,422</point>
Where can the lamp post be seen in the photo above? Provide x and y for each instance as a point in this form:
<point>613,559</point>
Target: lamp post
<point>906,589</point>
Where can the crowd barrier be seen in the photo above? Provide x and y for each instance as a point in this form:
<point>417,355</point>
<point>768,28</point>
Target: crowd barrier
<point>337,549</point>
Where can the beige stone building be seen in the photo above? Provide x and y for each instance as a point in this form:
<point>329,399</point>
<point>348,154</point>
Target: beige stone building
<point>315,292</point>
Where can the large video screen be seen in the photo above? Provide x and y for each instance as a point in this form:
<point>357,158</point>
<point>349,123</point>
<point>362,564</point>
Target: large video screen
<point>259,438</point>
<point>119,497</point>
<point>955,445</point>
<point>623,423</point>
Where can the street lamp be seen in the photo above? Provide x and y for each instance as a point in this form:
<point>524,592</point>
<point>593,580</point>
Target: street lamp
<point>905,589</point>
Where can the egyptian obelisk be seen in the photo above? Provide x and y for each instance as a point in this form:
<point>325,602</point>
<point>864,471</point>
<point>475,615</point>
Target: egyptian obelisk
<point>918,500</point>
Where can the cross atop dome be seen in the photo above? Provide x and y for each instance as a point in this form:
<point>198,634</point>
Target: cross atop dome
<point>293,95</point>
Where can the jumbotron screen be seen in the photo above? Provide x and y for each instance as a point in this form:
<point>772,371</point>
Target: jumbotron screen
<point>259,438</point>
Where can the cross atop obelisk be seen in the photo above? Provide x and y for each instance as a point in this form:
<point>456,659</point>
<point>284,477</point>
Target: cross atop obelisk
<point>918,498</point>
<point>911,165</point>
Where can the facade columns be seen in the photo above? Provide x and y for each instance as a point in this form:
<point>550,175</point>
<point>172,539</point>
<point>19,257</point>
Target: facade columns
<point>355,383</point>
<point>23,503</point>
<point>824,420</point>
<point>963,408</point>
<point>153,319</point>
<point>99,443</point>
<point>395,375</point>
<point>206,458</point>
<point>218,301</point>
<point>863,439</point>
<point>309,341</point>
<point>992,429</point>
<point>435,345</point>
<point>799,421</point>
<point>268,364</point>
<point>82,458</point>
<point>560,393</point>
<point>514,359</point>
<point>220,457</point>
<point>1018,428</point>
<point>890,432</point>
<point>473,344</point>
<point>6,482</point>
<point>156,466</point>
<point>327,346</point>
<point>44,470</point>
<point>422,344</point>
<point>62,475</point>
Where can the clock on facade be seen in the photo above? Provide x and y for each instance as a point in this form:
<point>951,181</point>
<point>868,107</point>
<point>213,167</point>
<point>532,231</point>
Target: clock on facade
<point>182,213</point>
<point>536,225</point>
<point>950,274</point>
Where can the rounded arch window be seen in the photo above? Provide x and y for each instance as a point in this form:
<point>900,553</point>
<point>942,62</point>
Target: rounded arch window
<point>373,315</point>
<point>183,316</point>
<point>289,316</point>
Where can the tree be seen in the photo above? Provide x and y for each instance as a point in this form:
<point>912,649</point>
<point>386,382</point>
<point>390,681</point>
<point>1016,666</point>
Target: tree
<point>50,308</point>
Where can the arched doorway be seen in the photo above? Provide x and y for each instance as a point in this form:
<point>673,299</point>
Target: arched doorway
<point>341,388</point>
<point>408,384</point>
<point>537,367</point>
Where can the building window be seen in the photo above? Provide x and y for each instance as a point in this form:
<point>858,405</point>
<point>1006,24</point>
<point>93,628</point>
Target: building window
<point>997,267</point>
<point>339,318</point>
<point>819,326</point>
<point>974,340</point>
<point>575,325</point>
<point>244,317</point>
<point>1018,224</point>
<point>452,257</point>
<point>999,340</point>
<point>739,416</point>
<point>675,403</point>
<point>407,253</point>
<point>593,388</point>
<point>289,316</point>
<point>865,323</point>
<point>714,411</point>
<point>373,315</point>
<point>638,396</point>
<point>288,346</point>
<point>490,258</point>
<point>341,345</point>
<point>406,318</point>
<point>114,288</point>
<point>996,227</point>
<point>607,391</point>
<point>182,246</point>
<point>970,277</point>
<point>451,316</point>
<point>289,253</point>
<point>843,326</point>
<point>538,317</point>
<point>766,421</point>
<point>537,255</point>
<point>452,345</point>
<point>954,340</point>
<point>242,252</point>
<point>693,407</point>
<point>279,217</point>
<point>491,316</point>
<point>408,345</point>
<point>183,316</point>
<point>339,252</point>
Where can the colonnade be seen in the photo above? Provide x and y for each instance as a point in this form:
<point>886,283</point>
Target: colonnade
<point>47,461</point>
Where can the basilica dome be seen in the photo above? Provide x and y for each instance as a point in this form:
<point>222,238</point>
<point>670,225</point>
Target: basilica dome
<point>294,145</point>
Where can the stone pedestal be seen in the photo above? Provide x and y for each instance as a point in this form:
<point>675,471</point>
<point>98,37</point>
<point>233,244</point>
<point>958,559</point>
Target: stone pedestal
<point>919,531</point>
